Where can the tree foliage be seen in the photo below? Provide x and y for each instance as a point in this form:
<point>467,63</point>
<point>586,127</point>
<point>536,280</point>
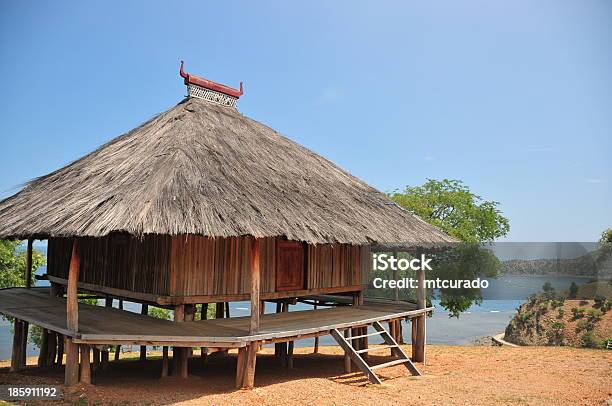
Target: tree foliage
<point>450,205</point>
<point>13,264</point>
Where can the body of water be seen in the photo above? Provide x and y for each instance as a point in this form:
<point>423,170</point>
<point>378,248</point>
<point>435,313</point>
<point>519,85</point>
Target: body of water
<point>491,317</point>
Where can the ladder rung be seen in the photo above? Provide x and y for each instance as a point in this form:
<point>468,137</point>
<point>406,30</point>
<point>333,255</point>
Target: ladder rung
<point>389,364</point>
<point>376,333</point>
<point>386,347</point>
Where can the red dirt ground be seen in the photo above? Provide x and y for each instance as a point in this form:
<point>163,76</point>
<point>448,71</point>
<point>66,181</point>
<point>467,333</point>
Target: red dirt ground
<point>453,376</point>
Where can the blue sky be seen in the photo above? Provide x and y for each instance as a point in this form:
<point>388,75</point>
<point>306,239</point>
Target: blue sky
<point>514,98</point>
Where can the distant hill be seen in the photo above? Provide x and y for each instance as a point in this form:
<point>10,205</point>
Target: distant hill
<point>559,321</point>
<point>596,263</point>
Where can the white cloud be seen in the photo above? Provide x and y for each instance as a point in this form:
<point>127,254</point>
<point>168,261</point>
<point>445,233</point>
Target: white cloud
<point>596,180</point>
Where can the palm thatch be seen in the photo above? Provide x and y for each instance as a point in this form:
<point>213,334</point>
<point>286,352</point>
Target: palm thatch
<point>205,169</point>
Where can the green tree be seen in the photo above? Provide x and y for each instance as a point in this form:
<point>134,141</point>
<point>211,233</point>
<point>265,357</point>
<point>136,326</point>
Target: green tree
<point>573,290</point>
<point>450,205</point>
<point>606,237</point>
<point>13,264</point>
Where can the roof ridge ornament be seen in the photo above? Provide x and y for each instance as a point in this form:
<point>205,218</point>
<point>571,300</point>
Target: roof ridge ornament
<point>211,91</point>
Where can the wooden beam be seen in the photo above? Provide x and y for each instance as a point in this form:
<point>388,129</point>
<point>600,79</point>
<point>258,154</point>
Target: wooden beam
<point>347,355</point>
<point>197,299</point>
<point>240,367</point>
<point>60,349</point>
<point>85,365</point>
<point>24,344</point>
<point>71,371</point>
<point>43,357</point>
<point>418,343</point>
<point>28,275</point>
<point>164,372</point>
<point>52,347</point>
<point>144,309</point>
<point>249,370</point>
<point>72,303</point>
<point>255,281</point>
<point>16,358</point>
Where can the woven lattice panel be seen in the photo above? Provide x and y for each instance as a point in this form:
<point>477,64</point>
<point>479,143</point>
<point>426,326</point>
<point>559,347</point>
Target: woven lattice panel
<point>211,96</point>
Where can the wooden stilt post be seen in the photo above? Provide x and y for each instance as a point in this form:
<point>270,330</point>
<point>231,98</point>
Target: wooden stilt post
<point>249,370</point>
<point>118,346</point>
<point>104,360</point>
<point>164,372</point>
<point>241,366</point>
<point>28,275</point>
<point>179,354</point>
<point>316,340</point>
<point>72,323</point>
<point>356,331</point>
<point>190,311</point>
<point>16,358</point>
<point>24,344</point>
<point>248,374</point>
<point>278,347</point>
<point>85,364</point>
<point>255,280</point>
<point>43,357</point>
<point>52,348</point>
<point>347,357</point>
<point>219,310</point>
<point>71,376</point>
<point>108,302</point>
<point>418,345</point>
<point>290,354</point>
<point>60,349</point>
<point>144,309</point>
<point>204,316</point>
<point>23,336</point>
<point>96,360</point>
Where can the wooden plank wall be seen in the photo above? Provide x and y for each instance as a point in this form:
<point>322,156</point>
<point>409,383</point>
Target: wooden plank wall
<point>218,266</point>
<point>193,265</point>
<point>118,261</point>
<point>334,266</point>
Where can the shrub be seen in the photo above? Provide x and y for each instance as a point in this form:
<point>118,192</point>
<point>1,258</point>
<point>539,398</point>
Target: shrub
<point>577,313</point>
<point>599,302</point>
<point>556,333</point>
<point>583,325</point>
<point>573,290</point>
<point>558,325</point>
<point>594,315</point>
<point>557,303</point>
<point>561,313</point>
<point>589,341</point>
<point>523,317</point>
<point>583,302</point>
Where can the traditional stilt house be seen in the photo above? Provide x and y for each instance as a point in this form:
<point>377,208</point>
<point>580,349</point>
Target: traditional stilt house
<point>202,205</point>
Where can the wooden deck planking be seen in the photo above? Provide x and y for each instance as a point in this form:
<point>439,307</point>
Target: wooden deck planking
<point>104,325</point>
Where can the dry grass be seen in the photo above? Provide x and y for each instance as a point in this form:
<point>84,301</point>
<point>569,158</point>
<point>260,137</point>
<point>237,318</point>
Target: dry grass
<point>204,169</point>
<point>454,376</point>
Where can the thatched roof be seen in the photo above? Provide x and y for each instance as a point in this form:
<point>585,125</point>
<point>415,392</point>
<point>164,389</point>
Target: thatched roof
<point>205,169</point>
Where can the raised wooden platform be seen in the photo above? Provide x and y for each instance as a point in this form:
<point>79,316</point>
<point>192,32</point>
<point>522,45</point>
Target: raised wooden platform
<point>105,325</point>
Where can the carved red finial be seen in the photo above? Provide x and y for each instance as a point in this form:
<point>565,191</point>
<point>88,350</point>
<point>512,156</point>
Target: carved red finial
<point>209,84</point>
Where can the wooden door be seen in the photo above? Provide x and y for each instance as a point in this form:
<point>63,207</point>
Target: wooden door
<point>290,266</point>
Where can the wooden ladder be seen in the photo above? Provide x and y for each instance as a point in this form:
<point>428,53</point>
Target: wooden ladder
<point>347,345</point>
